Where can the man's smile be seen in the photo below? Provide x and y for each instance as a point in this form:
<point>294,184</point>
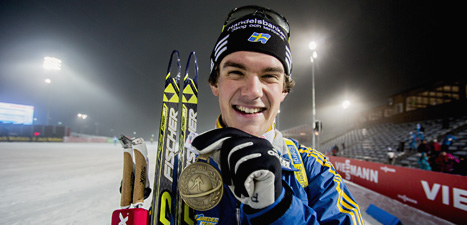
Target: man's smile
<point>248,110</point>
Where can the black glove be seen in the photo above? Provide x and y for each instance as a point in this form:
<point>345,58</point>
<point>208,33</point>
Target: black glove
<point>250,165</point>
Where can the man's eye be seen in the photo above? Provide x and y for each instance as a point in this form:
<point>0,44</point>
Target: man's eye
<point>271,77</point>
<point>235,73</point>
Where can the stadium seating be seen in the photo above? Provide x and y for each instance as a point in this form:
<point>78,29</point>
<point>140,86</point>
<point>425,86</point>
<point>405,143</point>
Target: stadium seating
<point>372,143</point>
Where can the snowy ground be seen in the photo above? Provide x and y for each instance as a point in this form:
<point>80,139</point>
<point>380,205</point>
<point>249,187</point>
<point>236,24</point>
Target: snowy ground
<point>65,184</point>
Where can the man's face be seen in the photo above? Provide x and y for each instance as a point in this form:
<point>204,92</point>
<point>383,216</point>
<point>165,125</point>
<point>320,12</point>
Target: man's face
<point>250,90</point>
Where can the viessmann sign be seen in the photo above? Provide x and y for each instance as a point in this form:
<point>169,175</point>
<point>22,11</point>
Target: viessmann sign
<point>440,194</point>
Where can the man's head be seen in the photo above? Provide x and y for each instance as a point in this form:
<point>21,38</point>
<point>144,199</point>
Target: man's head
<point>256,29</point>
<point>251,68</point>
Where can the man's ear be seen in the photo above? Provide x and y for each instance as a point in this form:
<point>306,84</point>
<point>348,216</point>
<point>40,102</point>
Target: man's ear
<point>284,94</point>
<point>214,89</point>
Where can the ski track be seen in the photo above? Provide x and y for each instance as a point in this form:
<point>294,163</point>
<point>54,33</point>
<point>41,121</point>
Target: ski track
<point>78,183</point>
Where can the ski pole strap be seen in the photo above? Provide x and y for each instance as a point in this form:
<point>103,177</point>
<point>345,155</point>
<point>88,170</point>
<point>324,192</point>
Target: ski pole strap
<point>297,162</point>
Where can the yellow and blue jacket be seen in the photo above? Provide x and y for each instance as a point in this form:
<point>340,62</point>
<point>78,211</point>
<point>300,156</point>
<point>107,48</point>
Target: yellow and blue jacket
<point>313,193</point>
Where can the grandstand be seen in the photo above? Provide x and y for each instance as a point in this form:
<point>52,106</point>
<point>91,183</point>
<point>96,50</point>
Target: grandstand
<point>372,143</point>
<point>439,107</point>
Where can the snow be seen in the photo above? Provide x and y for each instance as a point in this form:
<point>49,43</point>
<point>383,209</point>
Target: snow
<point>406,214</point>
<point>77,183</point>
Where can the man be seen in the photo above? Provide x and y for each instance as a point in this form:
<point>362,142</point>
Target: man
<point>391,156</point>
<point>413,141</point>
<point>424,147</point>
<point>447,141</point>
<point>267,179</point>
<point>446,162</point>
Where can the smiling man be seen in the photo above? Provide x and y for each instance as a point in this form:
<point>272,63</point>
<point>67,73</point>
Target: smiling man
<point>250,88</point>
<point>268,179</point>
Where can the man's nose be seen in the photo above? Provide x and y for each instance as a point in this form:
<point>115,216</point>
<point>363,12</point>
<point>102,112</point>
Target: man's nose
<point>253,87</point>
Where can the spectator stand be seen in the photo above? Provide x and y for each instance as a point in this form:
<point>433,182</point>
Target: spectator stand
<point>371,143</point>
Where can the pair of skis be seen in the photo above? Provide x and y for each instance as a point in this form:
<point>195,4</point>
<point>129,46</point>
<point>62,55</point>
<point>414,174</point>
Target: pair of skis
<point>172,156</point>
<point>178,120</point>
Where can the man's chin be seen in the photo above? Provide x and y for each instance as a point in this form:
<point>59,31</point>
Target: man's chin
<point>254,130</point>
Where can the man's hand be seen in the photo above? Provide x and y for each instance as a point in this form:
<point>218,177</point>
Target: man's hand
<point>250,166</point>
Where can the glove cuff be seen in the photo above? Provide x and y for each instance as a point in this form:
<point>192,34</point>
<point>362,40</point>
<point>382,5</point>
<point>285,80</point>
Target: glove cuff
<point>272,213</point>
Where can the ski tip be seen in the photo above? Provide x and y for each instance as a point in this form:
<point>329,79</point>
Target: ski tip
<point>175,54</point>
<point>196,68</point>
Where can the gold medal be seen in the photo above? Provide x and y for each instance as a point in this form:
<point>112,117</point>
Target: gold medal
<point>201,186</point>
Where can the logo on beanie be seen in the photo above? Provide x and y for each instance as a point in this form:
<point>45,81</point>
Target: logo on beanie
<point>259,37</point>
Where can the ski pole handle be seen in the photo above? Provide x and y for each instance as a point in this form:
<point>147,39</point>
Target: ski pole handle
<point>127,186</point>
<point>141,171</point>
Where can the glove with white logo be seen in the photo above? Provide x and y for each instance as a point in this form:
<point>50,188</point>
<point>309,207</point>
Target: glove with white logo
<point>250,165</point>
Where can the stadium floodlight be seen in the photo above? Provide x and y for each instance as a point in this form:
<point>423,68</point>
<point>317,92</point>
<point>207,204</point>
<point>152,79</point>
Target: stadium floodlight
<point>346,104</point>
<point>82,116</point>
<point>51,63</point>
<point>312,45</point>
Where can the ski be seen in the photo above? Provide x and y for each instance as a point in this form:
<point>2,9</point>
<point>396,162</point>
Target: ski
<point>162,210</point>
<point>188,121</point>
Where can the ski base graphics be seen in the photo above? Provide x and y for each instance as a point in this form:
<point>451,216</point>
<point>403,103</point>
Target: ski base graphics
<point>178,117</point>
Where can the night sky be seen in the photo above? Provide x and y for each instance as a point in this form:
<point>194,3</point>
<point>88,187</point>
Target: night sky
<point>115,53</point>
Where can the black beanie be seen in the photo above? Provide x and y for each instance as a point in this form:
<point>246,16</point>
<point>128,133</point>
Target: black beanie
<point>253,33</point>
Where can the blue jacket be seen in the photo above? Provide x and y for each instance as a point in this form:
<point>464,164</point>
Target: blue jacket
<point>449,139</point>
<point>325,200</point>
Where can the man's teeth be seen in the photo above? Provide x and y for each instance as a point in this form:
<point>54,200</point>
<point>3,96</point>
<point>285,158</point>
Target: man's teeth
<point>249,110</point>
